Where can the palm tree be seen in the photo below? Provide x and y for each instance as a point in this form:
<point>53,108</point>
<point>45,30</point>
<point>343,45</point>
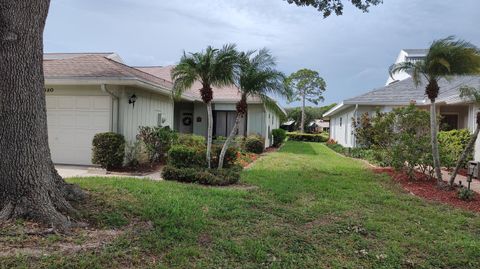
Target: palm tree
<point>212,68</point>
<point>472,95</point>
<point>256,77</point>
<point>446,58</point>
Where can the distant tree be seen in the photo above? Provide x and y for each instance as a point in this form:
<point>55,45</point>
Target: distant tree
<point>446,57</point>
<point>311,113</point>
<point>306,85</point>
<point>212,67</point>
<point>470,95</point>
<point>335,6</point>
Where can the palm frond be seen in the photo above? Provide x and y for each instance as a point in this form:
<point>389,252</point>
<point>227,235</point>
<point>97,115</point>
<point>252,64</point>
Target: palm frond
<point>470,94</point>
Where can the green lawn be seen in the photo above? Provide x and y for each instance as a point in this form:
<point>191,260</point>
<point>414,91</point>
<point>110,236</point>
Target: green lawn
<point>312,209</point>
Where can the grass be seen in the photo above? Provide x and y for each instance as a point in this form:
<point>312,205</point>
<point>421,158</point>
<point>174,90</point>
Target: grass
<point>312,209</point>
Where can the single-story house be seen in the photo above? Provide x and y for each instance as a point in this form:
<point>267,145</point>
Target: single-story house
<point>456,112</point>
<point>89,93</point>
<point>318,126</point>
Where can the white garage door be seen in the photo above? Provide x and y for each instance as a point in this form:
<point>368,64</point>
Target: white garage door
<point>72,123</point>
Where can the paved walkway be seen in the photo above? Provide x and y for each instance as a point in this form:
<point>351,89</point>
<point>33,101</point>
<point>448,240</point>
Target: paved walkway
<point>475,185</point>
<point>67,171</point>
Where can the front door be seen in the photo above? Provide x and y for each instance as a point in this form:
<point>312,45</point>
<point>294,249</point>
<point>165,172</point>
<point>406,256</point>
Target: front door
<point>186,122</point>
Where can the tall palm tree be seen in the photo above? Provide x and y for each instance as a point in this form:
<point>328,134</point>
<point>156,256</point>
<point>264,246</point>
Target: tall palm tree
<point>471,95</point>
<point>212,68</point>
<point>446,58</point>
<point>256,77</point>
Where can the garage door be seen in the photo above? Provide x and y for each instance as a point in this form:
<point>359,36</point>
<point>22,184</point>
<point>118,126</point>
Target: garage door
<point>72,123</point>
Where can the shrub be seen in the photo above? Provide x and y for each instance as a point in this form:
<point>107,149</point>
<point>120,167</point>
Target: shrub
<point>230,156</point>
<point>181,156</point>
<point>307,137</point>
<point>108,150</point>
<point>465,194</point>
<point>279,135</point>
<point>191,140</point>
<point>157,140</point>
<point>255,144</point>
<point>212,177</point>
<point>337,148</point>
<point>452,144</point>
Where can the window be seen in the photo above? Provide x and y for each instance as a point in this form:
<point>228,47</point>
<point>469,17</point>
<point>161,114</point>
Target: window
<point>160,120</point>
<point>223,122</point>
<point>341,119</point>
<point>449,122</point>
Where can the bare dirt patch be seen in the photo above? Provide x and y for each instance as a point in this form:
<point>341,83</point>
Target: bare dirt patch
<point>32,240</point>
<point>427,188</point>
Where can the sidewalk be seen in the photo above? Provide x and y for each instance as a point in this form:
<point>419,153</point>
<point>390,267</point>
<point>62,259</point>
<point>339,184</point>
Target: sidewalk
<point>475,185</point>
<point>67,171</point>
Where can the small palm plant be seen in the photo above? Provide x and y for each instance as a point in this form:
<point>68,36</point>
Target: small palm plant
<point>446,58</point>
<point>212,68</point>
<point>256,77</point>
<point>469,94</point>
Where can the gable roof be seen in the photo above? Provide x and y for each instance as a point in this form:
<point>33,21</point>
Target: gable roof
<point>404,92</point>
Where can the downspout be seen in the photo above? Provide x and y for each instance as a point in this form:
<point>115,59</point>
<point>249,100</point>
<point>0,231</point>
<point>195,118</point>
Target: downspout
<point>355,115</point>
<point>113,127</point>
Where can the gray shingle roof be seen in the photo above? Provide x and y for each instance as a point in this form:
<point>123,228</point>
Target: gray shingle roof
<point>405,91</point>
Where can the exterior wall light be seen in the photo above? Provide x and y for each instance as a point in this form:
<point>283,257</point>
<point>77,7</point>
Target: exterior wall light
<point>132,100</point>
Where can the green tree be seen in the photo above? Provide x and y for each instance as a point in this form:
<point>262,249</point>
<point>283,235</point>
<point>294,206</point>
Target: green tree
<point>446,57</point>
<point>335,6</point>
<point>257,77</point>
<point>311,113</point>
<point>470,95</point>
<point>306,85</point>
<point>212,67</point>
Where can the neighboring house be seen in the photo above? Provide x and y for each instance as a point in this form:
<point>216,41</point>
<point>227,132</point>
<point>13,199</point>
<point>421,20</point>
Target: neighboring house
<point>455,112</point>
<point>318,126</point>
<point>89,93</point>
<point>288,126</point>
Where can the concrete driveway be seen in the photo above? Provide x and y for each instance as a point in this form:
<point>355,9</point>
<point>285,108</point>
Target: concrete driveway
<point>67,171</point>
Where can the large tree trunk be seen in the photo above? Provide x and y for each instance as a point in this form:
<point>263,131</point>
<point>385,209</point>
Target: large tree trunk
<point>31,187</point>
<point>434,140</point>
<point>302,123</point>
<point>464,155</point>
<point>209,134</point>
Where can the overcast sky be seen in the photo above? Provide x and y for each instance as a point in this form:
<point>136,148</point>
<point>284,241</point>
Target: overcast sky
<point>352,52</point>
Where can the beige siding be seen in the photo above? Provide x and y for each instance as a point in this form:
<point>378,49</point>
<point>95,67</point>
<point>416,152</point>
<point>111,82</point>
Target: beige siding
<point>144,113</point>
<point>272,122</point>
<point>256,120</point>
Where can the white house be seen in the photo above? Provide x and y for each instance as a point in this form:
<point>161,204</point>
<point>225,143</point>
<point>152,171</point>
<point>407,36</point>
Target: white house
<point>401,91</point>
<point>89,93</point>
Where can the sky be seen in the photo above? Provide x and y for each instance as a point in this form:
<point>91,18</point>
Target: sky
<point>351,52</point>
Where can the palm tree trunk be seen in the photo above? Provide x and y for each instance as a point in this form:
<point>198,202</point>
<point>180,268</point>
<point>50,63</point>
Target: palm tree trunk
<point>209,134</point>
<point>302,124</point>
<point>464,155</point>
<point>221,159</point>
<point>435,152</point>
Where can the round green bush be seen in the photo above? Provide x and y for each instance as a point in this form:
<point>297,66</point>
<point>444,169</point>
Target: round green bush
<point>213,177</point>
<point>254,144</point>
<point>108,150</point>
<point>181,156</point>
<point>279,135</point>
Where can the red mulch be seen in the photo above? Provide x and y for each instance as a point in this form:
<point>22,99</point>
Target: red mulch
<point>427,188</point>
<point>271,149</point>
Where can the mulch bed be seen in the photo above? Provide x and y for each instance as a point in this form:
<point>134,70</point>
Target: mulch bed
<point>140,170</point>
<point>427,188</point>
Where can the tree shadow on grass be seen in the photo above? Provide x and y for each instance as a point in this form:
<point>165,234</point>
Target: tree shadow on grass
<point>302,148</point>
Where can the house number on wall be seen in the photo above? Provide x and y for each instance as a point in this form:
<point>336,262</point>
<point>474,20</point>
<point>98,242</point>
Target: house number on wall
<point>49,90</point>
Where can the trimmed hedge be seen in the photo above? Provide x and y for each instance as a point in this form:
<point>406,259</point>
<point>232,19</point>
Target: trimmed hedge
<point>452,144</point>
<point>254,144</point>
<point>108,150</point>
<point>279,135</point>
<point>212,177</point>
<point>181,156</point>
<point>191,140</point>
<point>307,137</point>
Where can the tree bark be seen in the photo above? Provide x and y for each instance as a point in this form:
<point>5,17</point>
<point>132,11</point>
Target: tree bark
<point>221,159</point>
<point>31,187</point>
<point>302,123</point>
<point>434,140</point>
<point>464,155</point>
<point>209,134</point>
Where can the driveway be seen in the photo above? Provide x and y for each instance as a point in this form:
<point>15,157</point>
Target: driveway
<point>67,171</point>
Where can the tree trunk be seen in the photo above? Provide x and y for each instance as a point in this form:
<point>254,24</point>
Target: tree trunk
<point>31,187</point>
<point>209,134</point>
<point>434,140</point>
<point>302,123</point>
<point>227,142</point>
<point>464,155</point>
